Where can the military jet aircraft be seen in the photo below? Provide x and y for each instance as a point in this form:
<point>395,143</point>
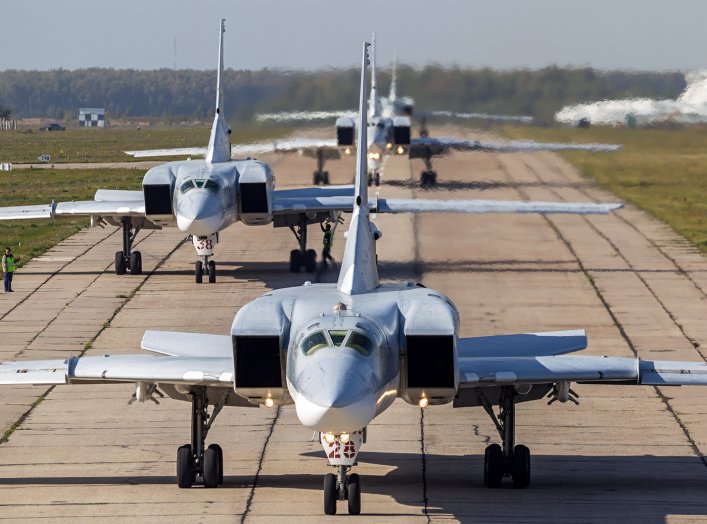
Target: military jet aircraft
<point>203,197</point>
<point>342,353</point>
<point>389,132</point>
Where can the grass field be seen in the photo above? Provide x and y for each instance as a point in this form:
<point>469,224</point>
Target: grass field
<point>662,171</point>
<point>107,145</point>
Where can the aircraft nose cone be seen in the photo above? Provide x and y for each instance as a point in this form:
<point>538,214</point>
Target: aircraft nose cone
<point>199,213</point>
<point>336,393</point>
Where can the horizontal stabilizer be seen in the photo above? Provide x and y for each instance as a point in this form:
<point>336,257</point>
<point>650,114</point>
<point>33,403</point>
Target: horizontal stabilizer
<point>25,212</point>
<point>179,344</point>
<point>671,373</point>
<point>305,115</point>
<point>523,345</point>
<point>118,195</point>
<point>39,372</point>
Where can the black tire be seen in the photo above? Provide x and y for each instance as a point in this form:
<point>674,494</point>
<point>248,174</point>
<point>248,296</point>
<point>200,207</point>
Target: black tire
<point>424,179</point>
<point>310,261</point>
<point>134,263</point>
<point>377,179</point>
<point>219,453</point>
<point>315,178</point>
<point>139,262</point>
<point>185,466</point>
<point>353,494</point>
<point>520,467</point>
<point>198,271</point>
<point>295,261</point>
<point>493,466</point>
<point>212,271</point>
<point>325,178</point>
<point>370,180</point>
<point>211,468</point>
<point>119,263</point>
<point>330,494</point>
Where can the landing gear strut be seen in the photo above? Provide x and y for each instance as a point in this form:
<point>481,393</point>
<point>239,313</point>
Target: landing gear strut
<point>342,487</point>
<point>320,176</point>
<point>510,460</point>
<point>428,177</point>
<point>192,459</point>
<point>126,260</point>
<point>302,257</point>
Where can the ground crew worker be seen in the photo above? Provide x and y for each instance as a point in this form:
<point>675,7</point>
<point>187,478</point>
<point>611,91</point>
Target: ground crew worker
<point>328,241</point>
<point>8,268</point>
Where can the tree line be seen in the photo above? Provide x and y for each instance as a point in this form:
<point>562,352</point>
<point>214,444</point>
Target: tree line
<point>184,93</point>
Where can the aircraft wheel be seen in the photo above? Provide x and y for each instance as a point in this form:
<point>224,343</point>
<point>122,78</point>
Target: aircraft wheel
<point>377,179</point>
<point>370,180</point>
<point>353,494</point>
<point>185,466</point>
<point>330,494</point>
<point>119,263</point>
<point>135,263</point>
<point>212,271</point>
<point>520,467</point>
<point>315,178</point>
<point>325,178</point>
<point>295,261</point>
<point>198,271</point>
<point>493,466</point>
<point>219,453</point>
<point>310,261</point>
<point>211,468</point>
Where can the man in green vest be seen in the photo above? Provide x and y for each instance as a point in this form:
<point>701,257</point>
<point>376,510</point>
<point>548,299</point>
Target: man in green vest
<point>8,268</point>
<point>328,241</point>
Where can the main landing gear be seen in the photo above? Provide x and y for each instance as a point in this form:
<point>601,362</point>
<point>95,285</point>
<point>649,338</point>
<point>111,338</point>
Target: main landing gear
<point>428,177</point>
<point>193,460</point>
<point>342,487</point>
<point>511,460</point>
<point>302,257</point>
<point>126,260</point>
<point>374,178</point>
<point>320,176</point>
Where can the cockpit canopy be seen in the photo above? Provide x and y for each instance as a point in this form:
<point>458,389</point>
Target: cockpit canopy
<point>206,183</point>
<point>339,338</point>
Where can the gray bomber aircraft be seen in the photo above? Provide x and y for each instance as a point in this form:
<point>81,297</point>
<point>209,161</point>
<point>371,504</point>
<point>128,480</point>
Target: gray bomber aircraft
<point>389,132</point>
<point>203,197</point>
<point>342,353</point>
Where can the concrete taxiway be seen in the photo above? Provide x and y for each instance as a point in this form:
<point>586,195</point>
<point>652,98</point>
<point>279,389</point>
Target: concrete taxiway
<point>79,454</point>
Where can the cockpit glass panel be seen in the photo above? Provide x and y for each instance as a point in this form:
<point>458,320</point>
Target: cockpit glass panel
<point>360,342</point>
<point>186,186</point>
<point>211,185</point>
<point>337,337</point>
<point>199,182</point>
<point>314,342</point>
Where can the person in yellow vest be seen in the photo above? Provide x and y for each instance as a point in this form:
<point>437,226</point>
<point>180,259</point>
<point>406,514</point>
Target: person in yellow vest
<point>8,268</point>
<point>328,241</point>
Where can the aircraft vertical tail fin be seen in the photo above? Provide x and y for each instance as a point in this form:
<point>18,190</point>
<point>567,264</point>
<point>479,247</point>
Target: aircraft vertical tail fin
<point>394,79</point>
<point>359,272</point>
<point>374,106</point>
<point>219,149</point>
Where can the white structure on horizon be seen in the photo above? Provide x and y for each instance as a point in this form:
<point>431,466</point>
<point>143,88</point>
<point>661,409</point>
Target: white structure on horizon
<point>689,108</point>
<point>92,117</point>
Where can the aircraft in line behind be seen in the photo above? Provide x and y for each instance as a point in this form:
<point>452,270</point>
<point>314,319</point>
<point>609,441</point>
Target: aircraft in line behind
<point>203,197</point>
<point>342,353</point>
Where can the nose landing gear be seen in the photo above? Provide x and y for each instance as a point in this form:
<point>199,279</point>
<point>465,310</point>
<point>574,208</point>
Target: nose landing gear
<point>342,487</point>
<point>205,248</point>
<point>127,260</point>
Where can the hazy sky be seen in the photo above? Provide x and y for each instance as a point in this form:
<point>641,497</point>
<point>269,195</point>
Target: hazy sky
<point>311,34</point>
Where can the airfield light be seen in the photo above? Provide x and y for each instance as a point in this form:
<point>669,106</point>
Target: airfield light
<point>424,402</point>
<point>269,402</point>
<point>344,438</point>
<point>329,438</point>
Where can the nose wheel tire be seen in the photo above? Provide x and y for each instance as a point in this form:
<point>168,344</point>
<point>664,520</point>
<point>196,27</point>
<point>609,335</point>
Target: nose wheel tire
<point>185,467</point>
<point>135,263</point>
<point>330,494</point>
<point>212,271</point>
<point>119,263</point>
<point>353,494</point>
<point>212,468</point>
<point>198,271</point>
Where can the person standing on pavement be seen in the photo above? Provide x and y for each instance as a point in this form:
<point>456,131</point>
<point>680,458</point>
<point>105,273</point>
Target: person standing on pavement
<point>328,242</point>
<point>8,269</point>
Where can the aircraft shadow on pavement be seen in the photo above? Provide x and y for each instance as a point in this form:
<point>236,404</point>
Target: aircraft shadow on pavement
<point>563,488</point>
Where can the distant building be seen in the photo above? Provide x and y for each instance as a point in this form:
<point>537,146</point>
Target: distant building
<point>92,117</point>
